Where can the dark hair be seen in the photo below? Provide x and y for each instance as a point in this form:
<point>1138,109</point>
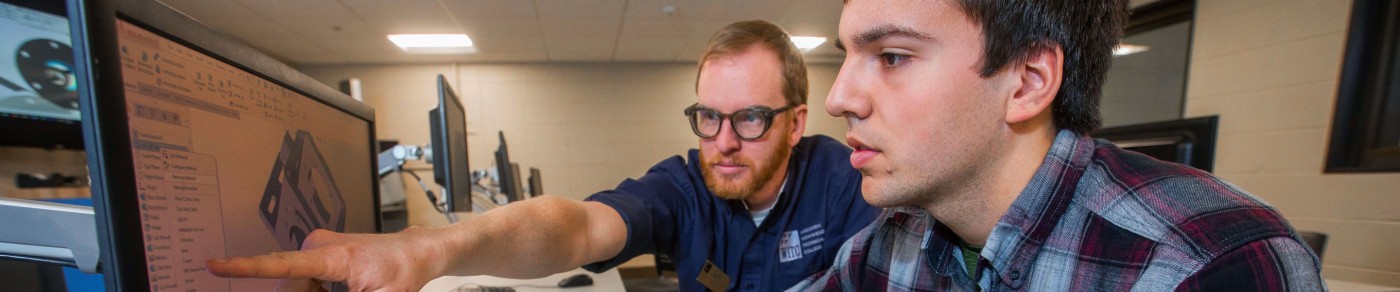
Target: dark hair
<point>739,36</point>
<point>1087,31</point>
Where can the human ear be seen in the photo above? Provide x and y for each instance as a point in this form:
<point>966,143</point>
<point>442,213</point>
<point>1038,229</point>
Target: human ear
<point>1040,77</point>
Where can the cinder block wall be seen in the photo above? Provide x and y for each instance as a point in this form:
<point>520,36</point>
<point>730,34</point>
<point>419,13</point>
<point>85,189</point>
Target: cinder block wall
<point>1270,69</point>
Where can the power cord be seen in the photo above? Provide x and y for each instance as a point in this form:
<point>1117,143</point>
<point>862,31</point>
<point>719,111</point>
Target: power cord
<point>441,207</point>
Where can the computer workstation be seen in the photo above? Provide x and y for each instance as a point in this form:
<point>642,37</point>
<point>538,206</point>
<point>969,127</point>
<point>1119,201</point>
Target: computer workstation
<point>201,148</point>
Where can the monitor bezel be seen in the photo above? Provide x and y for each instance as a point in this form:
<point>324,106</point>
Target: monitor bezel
<point>106,132</point>
<point>1195,138</point>
<point>456,195</point>
<point>508,177</point>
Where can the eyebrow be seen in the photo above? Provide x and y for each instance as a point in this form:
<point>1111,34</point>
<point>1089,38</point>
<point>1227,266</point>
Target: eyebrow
<point>883,31</point>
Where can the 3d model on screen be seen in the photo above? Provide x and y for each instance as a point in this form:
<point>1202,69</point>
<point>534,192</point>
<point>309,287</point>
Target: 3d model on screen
<point>301,195</point>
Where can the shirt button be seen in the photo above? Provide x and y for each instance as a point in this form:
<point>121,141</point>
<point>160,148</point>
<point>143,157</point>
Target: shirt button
<point>1015,274</point>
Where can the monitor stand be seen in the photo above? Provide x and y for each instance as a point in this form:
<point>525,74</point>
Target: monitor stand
<point>51,233</point>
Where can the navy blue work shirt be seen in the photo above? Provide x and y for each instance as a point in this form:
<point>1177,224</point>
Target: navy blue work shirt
<point>670,211</point>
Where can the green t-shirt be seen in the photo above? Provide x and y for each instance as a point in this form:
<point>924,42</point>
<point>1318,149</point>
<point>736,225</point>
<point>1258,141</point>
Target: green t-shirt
<point>970,256</point>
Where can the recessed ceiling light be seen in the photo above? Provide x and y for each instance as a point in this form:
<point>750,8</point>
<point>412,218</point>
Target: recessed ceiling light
<point>434,43</point>
<point>1129,49</point>
<point>807,43</point>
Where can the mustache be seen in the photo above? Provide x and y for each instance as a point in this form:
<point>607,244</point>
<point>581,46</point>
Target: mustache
<point>722,159</point>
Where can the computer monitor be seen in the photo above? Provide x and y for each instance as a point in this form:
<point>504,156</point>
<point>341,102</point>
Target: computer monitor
<point>506,172</point>
<point>38,91</point>
<point>536,186</point>
<point>201,148</point>
<point>450,169</point>
<point>1187,141</point>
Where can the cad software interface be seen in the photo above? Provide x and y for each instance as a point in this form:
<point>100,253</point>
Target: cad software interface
<point>230,164</point>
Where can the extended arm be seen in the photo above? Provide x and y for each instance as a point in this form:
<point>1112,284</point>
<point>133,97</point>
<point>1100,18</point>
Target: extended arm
<point>531,238</point>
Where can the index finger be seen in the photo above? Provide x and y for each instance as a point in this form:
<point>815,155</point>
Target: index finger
<point>277,265</point>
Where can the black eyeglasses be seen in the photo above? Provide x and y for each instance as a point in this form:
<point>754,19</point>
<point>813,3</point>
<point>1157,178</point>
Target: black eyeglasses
<point>750,123</point>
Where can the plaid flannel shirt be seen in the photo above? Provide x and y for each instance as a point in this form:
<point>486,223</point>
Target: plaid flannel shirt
<point>1093,218</point>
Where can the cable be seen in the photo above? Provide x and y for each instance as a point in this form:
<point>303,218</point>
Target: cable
<point>440,207</point>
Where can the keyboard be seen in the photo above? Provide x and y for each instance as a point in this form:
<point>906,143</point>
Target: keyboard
<point>474,288</point>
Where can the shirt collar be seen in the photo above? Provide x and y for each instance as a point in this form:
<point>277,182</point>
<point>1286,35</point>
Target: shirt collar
<point>1017,239</point>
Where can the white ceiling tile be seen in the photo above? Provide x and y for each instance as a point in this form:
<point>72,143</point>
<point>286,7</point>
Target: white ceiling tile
<point>580,27</point>
<point>379,45</point>
<point>509,44</point>
<point>344,28</point>
<point>299,9</point>
<point>247,29</point>
<point>656,28</point>
<point>204,10</point>
<point>308,59</point>
<point>650,44</point>
<point>654,9</point>
<point>644,56</point>
<point>285,46</point>
<point>405,16</point>
<point>704,29</point>
<point>491,9</point>
<point>580,44</point>
<point>421,25</point>
<point>504,30</point>
<point>732,11</point>
<point>502,27</point>
<point>610,9</point>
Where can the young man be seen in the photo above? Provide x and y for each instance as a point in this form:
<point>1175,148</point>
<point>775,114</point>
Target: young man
<point>969,119</point>
<point>767,206</point>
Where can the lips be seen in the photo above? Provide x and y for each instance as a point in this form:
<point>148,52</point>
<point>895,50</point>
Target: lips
<point>728,168</point>
<point>862,153</point>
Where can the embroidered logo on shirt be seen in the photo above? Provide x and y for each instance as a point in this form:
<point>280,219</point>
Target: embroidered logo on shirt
<point>789,247</point>
<point>796,243</point>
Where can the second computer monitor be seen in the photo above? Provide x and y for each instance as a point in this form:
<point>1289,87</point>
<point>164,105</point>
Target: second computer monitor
<point>509,176</point>
<point>450,169</point>
<point>536,185</point>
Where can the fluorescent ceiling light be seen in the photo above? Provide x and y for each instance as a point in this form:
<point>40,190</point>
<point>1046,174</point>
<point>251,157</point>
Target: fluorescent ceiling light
<point>1128,49</point>
<point>434,43</point>
<point>807,43</point>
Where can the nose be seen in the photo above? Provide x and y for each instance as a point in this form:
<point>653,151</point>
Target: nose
<point>846,99</point>
<point>727,141</point>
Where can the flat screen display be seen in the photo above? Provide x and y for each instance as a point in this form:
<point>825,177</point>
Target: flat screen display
<point>228,163</point>
<point>36,66</point>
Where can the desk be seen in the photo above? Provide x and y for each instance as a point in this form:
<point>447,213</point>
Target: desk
<point>605,281</point>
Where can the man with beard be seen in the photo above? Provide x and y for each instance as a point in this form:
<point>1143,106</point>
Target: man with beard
<point>767,206</point>
<point>970,121</point>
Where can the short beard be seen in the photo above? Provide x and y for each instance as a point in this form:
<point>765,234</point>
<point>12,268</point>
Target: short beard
<point>741,190</point>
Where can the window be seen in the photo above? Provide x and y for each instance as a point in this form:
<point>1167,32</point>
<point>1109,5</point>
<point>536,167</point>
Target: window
<point>1366,126</point>
<point>1148,79</point>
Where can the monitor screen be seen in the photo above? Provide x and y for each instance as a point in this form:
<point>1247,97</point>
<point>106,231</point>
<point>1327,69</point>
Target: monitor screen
<point>38,89</point>
<point>210,158</point>
<point>450,169</point>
